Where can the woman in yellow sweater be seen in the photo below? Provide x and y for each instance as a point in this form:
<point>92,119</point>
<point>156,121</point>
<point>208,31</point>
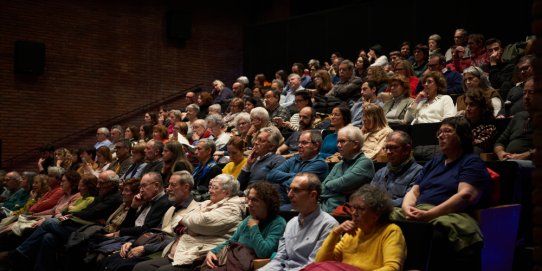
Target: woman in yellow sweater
<point>368,241</point>
<point>236,147</point>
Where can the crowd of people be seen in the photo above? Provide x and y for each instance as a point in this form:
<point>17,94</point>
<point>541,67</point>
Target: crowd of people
<point>173,193</point>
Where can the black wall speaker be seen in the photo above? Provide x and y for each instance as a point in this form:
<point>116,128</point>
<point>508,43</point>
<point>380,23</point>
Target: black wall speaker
<point>29,57</point>
<point>179,24</point>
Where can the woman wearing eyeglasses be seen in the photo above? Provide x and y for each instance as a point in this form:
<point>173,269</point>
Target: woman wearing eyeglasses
<point>448,189</point>
<point>369,241</point>
<point>431,104</point>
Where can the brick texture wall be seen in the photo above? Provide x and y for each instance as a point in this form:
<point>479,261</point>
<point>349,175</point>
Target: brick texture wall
<point>103,59</point>
<point>537,120</point>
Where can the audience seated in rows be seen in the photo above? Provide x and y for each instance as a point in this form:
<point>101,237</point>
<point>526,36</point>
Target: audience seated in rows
<point>208,225</point>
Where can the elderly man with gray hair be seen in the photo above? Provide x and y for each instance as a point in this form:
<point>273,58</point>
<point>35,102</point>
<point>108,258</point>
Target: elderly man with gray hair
<point>210,224</point>
<point>205,170</point>
<point>352,172</point>
<point>398,176</point>
<point>102,135</point>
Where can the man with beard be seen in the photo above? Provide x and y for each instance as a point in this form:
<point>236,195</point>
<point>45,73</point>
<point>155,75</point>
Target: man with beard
<point>307,115</point>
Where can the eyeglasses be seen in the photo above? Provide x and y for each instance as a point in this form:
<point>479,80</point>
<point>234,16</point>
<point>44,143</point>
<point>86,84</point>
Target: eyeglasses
<point>343,141</point>
<point>391,148</point>
<point>214,187</point>
<point>296,190</point>
<point>304,142</point>
<point>445,131</point>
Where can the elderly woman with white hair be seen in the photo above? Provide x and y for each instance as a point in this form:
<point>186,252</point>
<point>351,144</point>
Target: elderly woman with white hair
<point>259,118</point>
<point>353,171</point>
<point>209,225</point>
<point>474,77</point>
<point>216,125</point>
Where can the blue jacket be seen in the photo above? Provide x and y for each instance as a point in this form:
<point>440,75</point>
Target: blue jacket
<point>397,183</point>
<point>285,173</point>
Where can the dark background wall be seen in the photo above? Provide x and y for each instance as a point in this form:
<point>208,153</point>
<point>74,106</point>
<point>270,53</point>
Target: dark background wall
<point>103,59</point>
<point>315,31</point>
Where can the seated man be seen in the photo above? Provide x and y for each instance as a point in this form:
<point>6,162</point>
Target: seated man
<point>178,191</point>
<point>308,160</point>
<point>307,115</point>
<point>516,142</point>
<point>263,157</point>
<point>153,156</point>
<point>12,183</point>
<point>398,176</point>
<point>209,225</point>
<point>147,207</point>
<point>205,170</point>
<point>306,232</point>
<point>347,89</point>
<point>352,172</point>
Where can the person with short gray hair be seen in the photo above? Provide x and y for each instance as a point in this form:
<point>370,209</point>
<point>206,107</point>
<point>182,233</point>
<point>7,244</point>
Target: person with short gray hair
<point>399,174</point>
<point>352,172</point>
<point>12,183</point>
<point>216,125</point>
<point>101,137</point>
<point>308,159</point>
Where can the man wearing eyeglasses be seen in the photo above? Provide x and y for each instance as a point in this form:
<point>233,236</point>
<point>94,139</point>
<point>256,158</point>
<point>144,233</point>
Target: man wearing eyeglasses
<point>398,176</point>
<point>124,160</point>
<point>454,80</point>
<point>352,172</point>
<point>308,159</point>
<point>306,232</point>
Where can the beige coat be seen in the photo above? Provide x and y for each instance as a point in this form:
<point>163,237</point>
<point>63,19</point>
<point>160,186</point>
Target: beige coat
<point>207,226</point>
<point>373,142</point>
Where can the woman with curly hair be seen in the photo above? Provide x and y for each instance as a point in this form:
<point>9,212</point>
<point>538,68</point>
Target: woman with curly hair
<point>63,158</point>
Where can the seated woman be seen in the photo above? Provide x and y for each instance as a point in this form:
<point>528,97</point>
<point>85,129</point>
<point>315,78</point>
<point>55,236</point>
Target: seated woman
<point>138,159</point>
<point>479,114</point>
<point>474,77</point>
<point>209,225</point>
<point>63,158</point>
<point>174,160</point>
<point>369,241</point>
<point>39,188</point>
<point>431,104</point>
<point>145,133</point>
<point>396,108</point>
<point>160,133</point>
<point>448,188</point>
<point>374,131</point>
<point>340,117</point>
<point>236,147</point>
<point>261,230</point>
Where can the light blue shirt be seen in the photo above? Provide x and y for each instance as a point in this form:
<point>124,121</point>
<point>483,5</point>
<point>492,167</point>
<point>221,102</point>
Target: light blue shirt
<point>300,242</point>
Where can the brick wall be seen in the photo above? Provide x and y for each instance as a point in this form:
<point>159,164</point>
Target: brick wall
<point>103,59</point>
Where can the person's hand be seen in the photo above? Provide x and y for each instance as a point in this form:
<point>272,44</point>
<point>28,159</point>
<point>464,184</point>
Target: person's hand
<point>124,249</point>
<point>348,227</point>
<point>136,252</point>
<point>420,215</point>
<point>494,57</point>
<point>33,194</point>
<point>59,162</point>
<point>251,159</point>
<point>161,119</point>
<point>113,234</point>
<point>519,156</point>
<point>327,66</point>
<point>503,155</point>
<point>210,260</point>
<point>408,211</point>
<point>37,223</point>
<point>422,95</point>
<point>137,201</point>
<point>41,161</point>
<point>253,222</point>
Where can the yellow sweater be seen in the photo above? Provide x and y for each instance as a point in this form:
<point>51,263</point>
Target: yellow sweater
<point>384,249</point>
<point>234,170</point>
